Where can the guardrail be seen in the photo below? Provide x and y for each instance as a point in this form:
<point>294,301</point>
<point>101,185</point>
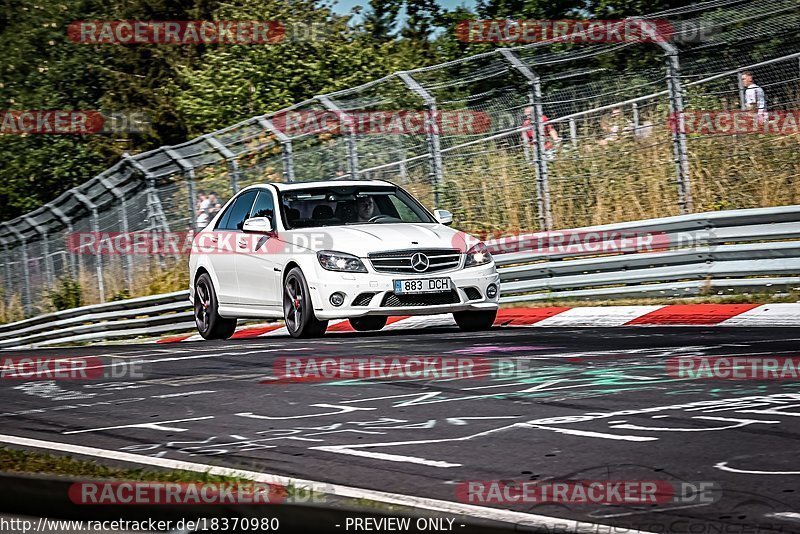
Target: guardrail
<point>752,250</point>
<point>683,256</point>
<point>141,316</point>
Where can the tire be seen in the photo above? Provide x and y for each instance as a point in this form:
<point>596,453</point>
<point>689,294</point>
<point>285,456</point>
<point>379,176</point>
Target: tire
<point>473,321</point>
<point>365,324</point>
<point>206,317</point>
<point>297,309</point>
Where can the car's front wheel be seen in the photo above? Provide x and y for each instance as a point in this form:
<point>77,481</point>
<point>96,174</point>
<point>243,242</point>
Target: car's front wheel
<point>297,309</point>
<point>206,317</point>
<point>365,324</point>
<point>472,321</point>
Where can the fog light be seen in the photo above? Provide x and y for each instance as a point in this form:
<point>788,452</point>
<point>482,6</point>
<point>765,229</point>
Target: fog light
<point>491,291</point>
<point>337,299</point>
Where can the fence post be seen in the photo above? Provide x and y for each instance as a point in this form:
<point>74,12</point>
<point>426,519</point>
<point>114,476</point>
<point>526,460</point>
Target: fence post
<point>679,147</point>
<point>287,156</point>
<point>60,215</point>
<point>28,301</point>
<point>188,172</point>
<point>230,157</point>
<point>539,133</point>
<point>573,132</point>
<point>432,132</point>
<point>92,207</point>
<point>42,231</point>
<point>352,151</point>
<point>740,84</point>
<point>128,262</point>
<point>7,269</point>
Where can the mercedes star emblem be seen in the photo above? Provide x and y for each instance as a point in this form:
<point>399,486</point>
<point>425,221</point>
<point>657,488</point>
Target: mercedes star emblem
<point>419,262</point>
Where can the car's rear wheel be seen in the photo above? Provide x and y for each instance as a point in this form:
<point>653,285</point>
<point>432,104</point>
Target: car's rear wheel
<point>365,324</point>
<point>206,317</point>
<point>297,309</point>
<point>472,321</point>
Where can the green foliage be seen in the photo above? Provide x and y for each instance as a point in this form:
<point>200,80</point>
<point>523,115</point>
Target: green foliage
<point>66,294</point>
<point>189,90</point>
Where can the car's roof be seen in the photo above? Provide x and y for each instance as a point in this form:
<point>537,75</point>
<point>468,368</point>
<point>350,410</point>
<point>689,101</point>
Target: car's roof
<point>329,183</point>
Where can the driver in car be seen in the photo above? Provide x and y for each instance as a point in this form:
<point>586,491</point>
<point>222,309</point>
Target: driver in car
<point>366,208</point>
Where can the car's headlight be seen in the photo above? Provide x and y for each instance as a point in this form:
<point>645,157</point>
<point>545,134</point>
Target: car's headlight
<point>340,261</point>
<point>478,255</point>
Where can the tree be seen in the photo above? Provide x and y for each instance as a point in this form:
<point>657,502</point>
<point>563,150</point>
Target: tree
<point>381,19</point>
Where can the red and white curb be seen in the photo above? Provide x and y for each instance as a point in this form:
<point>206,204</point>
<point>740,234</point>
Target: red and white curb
<point>587,316</point>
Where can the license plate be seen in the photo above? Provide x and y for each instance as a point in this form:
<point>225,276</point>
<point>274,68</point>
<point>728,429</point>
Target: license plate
<point>424,285</point>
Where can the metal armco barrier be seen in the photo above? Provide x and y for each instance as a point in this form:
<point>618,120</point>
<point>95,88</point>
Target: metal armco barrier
<point>754,250</point>
<point>524,122</point>
<point>712,253</point>
<point>142,316</point>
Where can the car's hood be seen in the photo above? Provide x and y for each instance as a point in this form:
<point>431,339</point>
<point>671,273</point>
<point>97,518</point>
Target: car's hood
<point>361,239</point>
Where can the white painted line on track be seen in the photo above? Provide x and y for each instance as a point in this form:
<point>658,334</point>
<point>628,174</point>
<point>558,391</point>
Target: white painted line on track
<point>154,425</point>
<point>436,505</point>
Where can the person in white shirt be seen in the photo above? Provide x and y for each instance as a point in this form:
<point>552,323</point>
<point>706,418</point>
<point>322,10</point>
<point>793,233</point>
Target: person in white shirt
<point>754,98</point>
<point>202,217</point>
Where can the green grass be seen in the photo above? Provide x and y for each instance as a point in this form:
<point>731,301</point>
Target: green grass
<point>21,461</point>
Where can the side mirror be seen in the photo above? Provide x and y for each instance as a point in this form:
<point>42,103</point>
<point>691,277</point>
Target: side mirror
<point>257,225</point>
<point>443,216</point>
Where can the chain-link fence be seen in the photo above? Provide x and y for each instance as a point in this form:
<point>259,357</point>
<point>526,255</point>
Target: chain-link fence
<point>546,136</point>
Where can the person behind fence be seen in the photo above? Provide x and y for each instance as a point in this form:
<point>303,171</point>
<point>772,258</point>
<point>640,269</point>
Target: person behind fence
<point>551,134</point>
<point>214,205</point>
<point>202,210</point>
<point>754,98</point>
<point>613,126</point>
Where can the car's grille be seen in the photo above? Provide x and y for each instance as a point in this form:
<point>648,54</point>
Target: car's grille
<point>363,299</point>
<point>473,293</point>
<point>390,300</point>
<point>400,261</point>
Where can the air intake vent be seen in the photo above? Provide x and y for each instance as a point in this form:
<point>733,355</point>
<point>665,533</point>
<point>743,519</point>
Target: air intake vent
<point>391,300</point>
<point>363,299</point>
<point>473,293</point>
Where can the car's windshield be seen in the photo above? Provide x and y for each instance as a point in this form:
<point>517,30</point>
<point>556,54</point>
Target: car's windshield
<point>335,206</point>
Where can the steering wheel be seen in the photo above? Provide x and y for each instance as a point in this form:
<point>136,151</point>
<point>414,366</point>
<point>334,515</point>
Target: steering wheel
<point>377,218</point>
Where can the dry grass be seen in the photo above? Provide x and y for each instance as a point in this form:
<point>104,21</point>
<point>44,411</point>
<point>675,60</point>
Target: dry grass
<point>492,190</point>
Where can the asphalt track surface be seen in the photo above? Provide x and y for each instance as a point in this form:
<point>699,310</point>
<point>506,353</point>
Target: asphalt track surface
<point>216,403</point>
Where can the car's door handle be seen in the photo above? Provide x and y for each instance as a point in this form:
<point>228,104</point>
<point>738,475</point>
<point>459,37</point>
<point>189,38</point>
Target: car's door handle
<point>242,243</point>
<point>213,238</point>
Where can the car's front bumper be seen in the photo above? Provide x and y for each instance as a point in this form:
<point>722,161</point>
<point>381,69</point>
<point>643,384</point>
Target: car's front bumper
<point>466,283</point>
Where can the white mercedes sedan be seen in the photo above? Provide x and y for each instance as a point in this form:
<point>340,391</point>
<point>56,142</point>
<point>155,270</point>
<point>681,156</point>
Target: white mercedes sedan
<point>357,250</point>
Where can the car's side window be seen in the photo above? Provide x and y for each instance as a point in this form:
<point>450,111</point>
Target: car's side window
<point>234,216</point>
<point>264,207</point>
